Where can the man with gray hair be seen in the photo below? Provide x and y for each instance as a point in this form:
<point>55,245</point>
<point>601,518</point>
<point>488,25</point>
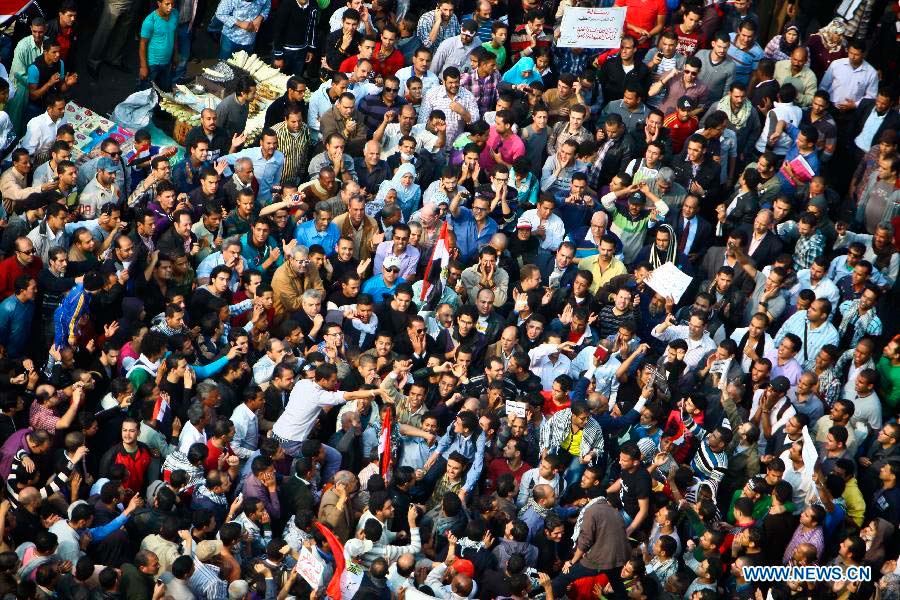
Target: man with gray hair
<point>230,256</point>
<point>198,415</point>
<point>291,280</point>
<point>665,188</point>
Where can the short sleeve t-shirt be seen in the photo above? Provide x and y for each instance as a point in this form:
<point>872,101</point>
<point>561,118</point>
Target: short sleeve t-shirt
<point>160,34</point>
<point>635,486</point>
<point>643,14</point>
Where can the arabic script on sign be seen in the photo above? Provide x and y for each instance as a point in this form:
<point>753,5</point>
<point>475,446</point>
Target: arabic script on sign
<point>591,27</point>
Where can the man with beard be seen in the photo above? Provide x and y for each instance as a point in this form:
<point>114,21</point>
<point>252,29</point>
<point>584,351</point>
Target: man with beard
<point>463,333</point>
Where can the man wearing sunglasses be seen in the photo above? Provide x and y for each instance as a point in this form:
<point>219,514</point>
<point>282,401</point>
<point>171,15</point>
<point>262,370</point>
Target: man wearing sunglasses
<point>685,82</point>
<point>110,149</point>
<point>382,108</point>
<point>386,283</point>
<point>23,261</point>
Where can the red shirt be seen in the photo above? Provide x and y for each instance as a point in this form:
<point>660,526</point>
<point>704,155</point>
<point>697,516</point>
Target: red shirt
<point>551,407</point>
<point>643,14</point>
<point>11,268</point>
<point>389,66</point>
<point>498,467</point>
<point>680,130</point>
<point>688,43</point>
<point>212,461</point>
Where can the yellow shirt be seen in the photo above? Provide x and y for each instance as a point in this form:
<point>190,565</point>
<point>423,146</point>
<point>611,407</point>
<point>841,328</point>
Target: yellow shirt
<point>592,264</point>
<point>572,443</point>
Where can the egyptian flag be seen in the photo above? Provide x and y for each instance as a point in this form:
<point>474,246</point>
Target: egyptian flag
<point>337,550</point>
<point>160,410</point>
<point>384,445</point>
<point>440,258</point>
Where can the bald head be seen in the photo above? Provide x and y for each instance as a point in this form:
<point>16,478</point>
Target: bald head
<point>499,241</point>
<point>462,585</point>
<point>373,146</point>
<point>599,219</point>
<point>29,496</point>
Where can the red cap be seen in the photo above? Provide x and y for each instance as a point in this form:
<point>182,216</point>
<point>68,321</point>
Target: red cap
<point>464,567</point>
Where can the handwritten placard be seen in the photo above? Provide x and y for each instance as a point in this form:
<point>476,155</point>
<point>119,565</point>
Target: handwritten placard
<point>591,27</point>
<point>310,567</point>
<point>515,408</point>
<point>668,280</point>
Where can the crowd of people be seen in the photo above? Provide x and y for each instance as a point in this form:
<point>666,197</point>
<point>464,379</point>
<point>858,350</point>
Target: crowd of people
<point>475,316</point>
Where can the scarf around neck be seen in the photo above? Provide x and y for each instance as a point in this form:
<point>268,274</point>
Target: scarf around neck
<point>739,118</point>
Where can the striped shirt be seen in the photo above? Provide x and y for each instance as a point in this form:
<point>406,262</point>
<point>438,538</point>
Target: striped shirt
<point>295,147</point>
<point>55,484</point>
<point>706,463</point>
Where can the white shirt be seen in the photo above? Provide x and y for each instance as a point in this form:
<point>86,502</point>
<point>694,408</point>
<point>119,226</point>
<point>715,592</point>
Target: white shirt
<point>429,80</point>
<point>246,431</point>
<point>190,436</point>
<point>546,370</point>
<point>843,82</point>
<point>40,134</point>
<point>697,349</point>
<point>555,230</point>
<point>303,409</point>
<point>777,418</point>
<point>825,288</point>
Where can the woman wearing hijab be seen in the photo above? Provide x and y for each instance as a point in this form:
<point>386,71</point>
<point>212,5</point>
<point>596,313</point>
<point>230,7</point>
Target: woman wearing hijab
<point>826,46</point>
<point>522,73</point>
<point>409,194</point>
<point>782,45</point>
<point>876,535</point>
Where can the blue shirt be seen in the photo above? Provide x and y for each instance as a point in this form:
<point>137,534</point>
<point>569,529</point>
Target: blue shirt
<point>813,339</point>
<point>787,187</point>
<point>160,34</point>
<point>375,287</point>
<point>267,171</point>
<point>472,449</point>
<point>468,238</point>
<point>306,234</point>
<point>15,325</point>
<point>232,11</point>
<point>744,62</point>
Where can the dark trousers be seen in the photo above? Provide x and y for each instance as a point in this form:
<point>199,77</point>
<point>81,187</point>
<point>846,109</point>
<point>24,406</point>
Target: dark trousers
<point>577,571</point>
<point>425,487</point>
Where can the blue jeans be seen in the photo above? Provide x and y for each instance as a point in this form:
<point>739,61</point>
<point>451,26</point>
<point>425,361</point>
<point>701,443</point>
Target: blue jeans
<point>228,47</point>
<point>573,473</point>
<point>295,62</point>
<point>159,74</point>
<point>184,50</point>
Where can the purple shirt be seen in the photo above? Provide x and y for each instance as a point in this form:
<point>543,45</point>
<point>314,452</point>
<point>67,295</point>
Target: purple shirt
<point>9,450</point>
<point>409,260</point>
<point>791,369</point>
<point>253,488</point>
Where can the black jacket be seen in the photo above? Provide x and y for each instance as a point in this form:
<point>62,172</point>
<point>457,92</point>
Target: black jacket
<point>295,27</point>
<point>702,238</point>
<point>864,109</point>
<point>616,159</point>
<point>707,177</point>
<point>613,78</point>
<point>766,251</point>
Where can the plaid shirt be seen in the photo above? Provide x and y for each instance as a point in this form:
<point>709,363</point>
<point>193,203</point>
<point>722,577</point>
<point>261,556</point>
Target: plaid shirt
<point>867,323</point>
<point>568,61</point>
<point>808,249</point>
<point>426,22</point>
<point>484,90</point>
<point>829,387</point>
<point>443,486</point>
<point>558,427</point>
<point>42,417</point>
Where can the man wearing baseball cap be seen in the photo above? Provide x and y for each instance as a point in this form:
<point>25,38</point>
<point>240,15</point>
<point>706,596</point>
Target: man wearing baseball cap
<point>681,123</point>
<point>100,190</point>
<point>385,283</point>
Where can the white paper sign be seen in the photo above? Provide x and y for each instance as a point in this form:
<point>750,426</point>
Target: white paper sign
<point>591,27</point>
<point>669,280</point>
<point>515,408</point>
<point>310,567</point>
